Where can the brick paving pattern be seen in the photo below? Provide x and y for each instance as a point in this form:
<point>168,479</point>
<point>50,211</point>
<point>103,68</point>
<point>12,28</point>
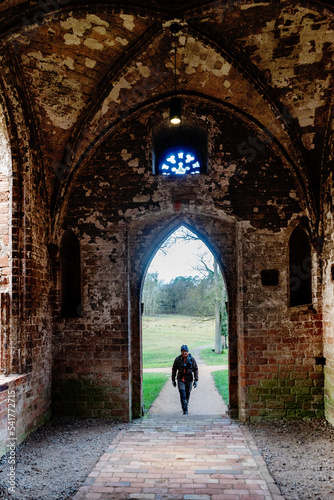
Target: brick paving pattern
<point>198,457</point>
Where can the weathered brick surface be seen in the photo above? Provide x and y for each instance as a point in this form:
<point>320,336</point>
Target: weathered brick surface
<point>135,210</point>
<point>23,407</point>
<point>328,278</point>
<point>25,311</point>
<point>84,91</point>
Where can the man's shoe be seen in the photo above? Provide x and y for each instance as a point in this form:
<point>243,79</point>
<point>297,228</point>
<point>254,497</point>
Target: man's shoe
<point>185,412</point>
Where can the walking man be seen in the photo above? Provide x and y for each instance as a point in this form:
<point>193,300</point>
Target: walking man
<point>184,367</point>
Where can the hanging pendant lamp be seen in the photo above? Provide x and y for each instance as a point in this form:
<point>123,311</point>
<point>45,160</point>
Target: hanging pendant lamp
<point>175,105</point>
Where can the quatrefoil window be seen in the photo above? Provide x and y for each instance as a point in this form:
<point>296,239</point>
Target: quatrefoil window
<point>179,161</point>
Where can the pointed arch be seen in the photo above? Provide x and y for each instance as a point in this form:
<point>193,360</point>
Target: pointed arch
<point>145,239</point>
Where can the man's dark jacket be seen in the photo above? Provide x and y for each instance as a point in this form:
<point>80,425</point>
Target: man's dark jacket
<point>191,366</point>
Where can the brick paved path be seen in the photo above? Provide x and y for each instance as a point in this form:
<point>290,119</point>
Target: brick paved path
<point>181,458</point>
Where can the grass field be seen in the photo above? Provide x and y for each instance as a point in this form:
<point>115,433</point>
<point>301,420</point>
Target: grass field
<point>221,380</point>
<point>162,339</point>
<point>152,385</point>
<point>164,335</point>
<point>210,358</point>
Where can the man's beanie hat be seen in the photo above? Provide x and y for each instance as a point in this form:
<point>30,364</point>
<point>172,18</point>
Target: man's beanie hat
<point>184,348</point>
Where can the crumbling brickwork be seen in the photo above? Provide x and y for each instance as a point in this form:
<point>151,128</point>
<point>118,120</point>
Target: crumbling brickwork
<point>328,275</point>
<point>85,92</point>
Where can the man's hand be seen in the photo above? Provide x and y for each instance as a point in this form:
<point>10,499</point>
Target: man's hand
<point>195,384</point>
<point>174,383</point>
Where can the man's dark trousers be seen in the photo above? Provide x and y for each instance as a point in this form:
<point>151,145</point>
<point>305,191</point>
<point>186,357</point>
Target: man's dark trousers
<point>184,390</point>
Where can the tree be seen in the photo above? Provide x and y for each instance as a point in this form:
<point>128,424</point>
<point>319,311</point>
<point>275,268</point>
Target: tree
<point>201,296</point>
<point>151,290</point>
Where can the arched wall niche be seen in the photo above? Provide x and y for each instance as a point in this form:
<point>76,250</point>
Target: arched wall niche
<point>303,233</point>
<point>300,282</point>
<point>145,238</point>
<point>70,269</point>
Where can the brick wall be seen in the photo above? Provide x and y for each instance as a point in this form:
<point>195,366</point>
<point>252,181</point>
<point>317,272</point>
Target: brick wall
<point>91,354</point>
<point>25,326</point>
<point>91,89</point>
<point>20,409</point>
<point>26,337</point>
<point>279,377</point>
<point>121,213</point>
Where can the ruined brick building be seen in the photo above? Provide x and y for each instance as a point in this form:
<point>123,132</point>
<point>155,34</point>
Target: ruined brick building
<point>84,202</point>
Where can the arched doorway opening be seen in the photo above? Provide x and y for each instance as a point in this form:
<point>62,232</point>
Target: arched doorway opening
<point>184,300</point>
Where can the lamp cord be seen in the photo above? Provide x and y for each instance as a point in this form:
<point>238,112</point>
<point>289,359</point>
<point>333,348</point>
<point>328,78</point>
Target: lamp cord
<point>175,66</point>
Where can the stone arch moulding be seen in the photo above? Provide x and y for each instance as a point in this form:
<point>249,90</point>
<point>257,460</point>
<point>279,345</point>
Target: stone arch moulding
<point>145,236</point>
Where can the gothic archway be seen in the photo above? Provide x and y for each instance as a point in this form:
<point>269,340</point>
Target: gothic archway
<point>184,301</point>
<point>145,245</point>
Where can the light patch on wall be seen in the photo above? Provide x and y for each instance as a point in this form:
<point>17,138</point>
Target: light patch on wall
<point>100,29</point>
<point>144,70</point>
<point>128,22</point>
<point>71,39</point>
<point>69,62</point>
<point>61,100</point>
<point>125,155</point>
<point>196,55</point>
<point>122,41</point>
<point>131,212</point>
<point>250,5</point>
<point>141,198</point>
<point>78,26</point>
<point>93,44</point>
<point>114,94</point>
<point>134,163</point>
<point>308,141</point>
<point>36,55</point>
<point>50,63</point>
<point>307,49</point>
<point>90,63</point>
<point>92,18</point>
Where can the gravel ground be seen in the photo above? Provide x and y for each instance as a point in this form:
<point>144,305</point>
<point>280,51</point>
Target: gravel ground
<point>299,455</point>
<point>55,460</point>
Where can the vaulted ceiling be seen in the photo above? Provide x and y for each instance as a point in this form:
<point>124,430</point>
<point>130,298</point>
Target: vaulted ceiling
<point>85,67</point>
